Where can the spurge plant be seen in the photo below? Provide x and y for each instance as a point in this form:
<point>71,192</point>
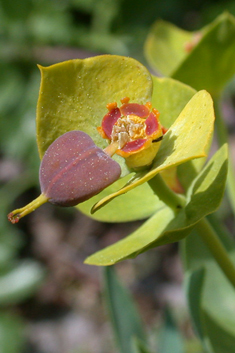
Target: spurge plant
<point>144,158</point>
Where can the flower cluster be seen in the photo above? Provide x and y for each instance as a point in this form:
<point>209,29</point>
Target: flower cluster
<point>133,131</point>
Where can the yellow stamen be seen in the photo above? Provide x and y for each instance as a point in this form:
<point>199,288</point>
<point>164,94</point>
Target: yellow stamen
<point>128,128</point>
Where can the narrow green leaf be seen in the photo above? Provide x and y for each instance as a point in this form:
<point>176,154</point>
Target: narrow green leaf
<point>194,286</point>
<point>125,318</point>
<point>213,301</point>
<point>204,197</point>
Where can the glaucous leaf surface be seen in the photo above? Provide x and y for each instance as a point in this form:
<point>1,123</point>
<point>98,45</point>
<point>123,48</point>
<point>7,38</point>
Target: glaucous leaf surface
<point>204,197</point>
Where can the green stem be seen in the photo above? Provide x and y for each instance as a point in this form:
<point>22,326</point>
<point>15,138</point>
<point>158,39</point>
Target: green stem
<point>222,136</point>
<point>205,230</point>
<point>17,214</point>
<point>217,249</point>
<point>165,194</point>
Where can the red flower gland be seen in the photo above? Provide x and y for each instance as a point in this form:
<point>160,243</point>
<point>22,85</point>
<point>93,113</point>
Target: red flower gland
<point>134,130</point>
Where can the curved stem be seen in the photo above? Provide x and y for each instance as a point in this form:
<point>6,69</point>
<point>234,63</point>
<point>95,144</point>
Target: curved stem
<point>222,136</point>
<point>165,194</point>
<point>217,249</point>
<point>17,214</point>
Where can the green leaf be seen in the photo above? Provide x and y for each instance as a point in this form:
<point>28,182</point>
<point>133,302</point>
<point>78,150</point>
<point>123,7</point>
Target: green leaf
<point>170,339</point>
<point>170,97</point>
<point>204,67</point>
<point>165,47</point>
<point>125,318</point>
<point>210,63</point>
<point>135,242</point>
<point>218,301</point>
<point>194,284</point>
<point>186,139</point>
<point>74,94</point>
<point>203,198</point>
<point>20,282</point>
<point>221,340</point>
<point>139,203</point>
<point>211,298</point>
<point>213,335</point>
<point>60,110</point>
<point>11,333</point>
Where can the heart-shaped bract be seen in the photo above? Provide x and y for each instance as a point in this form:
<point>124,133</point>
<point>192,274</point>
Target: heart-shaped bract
<point>72,170</point>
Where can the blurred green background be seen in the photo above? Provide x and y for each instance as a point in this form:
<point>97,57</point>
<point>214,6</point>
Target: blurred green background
<point>47,295</point>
